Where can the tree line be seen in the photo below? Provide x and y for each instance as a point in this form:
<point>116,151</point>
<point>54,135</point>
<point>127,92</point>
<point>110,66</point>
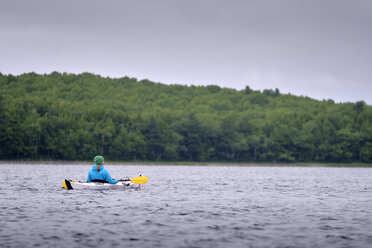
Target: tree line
<point>77,116</point>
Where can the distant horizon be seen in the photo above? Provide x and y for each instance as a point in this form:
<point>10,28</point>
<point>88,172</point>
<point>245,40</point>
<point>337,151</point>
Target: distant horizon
<point>187,84</point>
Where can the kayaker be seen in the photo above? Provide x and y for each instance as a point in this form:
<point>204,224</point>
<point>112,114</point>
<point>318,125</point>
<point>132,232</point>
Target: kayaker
<point>98,173</point>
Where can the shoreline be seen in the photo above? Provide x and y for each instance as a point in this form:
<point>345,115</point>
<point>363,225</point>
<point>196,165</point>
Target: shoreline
<point>183,163</point>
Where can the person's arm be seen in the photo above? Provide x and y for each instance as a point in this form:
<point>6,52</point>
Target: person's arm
<point>109,179</point>
<point>89,179</point>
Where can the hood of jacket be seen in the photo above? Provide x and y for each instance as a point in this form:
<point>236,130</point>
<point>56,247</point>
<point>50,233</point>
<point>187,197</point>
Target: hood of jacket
<point>101,167</point>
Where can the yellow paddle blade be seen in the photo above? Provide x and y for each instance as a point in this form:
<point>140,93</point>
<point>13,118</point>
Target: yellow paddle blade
<point>64,185</point>
<point>139,180</point>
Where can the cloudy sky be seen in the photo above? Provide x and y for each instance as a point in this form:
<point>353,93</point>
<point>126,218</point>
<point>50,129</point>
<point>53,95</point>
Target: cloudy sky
<point>318,48</point>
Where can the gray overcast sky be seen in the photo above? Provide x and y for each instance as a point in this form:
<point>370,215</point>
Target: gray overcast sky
<point>317,48</point>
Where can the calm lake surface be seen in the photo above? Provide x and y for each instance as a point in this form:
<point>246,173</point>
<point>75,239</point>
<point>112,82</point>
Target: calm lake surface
<point>188,206</point>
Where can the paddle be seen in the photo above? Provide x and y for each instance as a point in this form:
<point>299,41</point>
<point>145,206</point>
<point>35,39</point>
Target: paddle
<point>139,180</point>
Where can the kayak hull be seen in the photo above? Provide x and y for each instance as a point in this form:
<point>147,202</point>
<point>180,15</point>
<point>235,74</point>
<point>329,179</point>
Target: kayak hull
<point>71,184</point>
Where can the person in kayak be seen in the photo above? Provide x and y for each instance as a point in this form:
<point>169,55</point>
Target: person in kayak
<point>98,173</point>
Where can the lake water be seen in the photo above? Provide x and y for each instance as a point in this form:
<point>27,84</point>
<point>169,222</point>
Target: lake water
<point>188,206</point>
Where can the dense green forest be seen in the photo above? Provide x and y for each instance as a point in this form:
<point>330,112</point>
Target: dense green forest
<point>77,116</point>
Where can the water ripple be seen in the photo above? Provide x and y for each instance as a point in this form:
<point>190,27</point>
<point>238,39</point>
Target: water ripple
<point>210,207</point>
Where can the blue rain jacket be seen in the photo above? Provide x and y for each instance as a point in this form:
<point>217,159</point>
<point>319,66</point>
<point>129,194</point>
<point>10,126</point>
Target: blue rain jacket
<point>102,174</point>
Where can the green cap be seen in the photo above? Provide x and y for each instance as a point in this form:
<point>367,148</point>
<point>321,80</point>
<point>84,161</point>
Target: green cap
<point>98,160</point>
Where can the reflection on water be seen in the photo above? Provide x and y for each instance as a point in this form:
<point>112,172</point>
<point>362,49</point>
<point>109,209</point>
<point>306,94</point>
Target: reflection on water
<point>188,206</point>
